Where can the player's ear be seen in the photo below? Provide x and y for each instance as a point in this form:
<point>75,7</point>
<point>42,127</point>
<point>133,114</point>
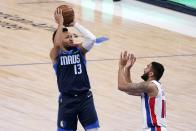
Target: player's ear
<point>151,73</point>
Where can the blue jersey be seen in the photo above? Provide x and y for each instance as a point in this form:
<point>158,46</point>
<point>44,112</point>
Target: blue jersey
<point>70,68</point>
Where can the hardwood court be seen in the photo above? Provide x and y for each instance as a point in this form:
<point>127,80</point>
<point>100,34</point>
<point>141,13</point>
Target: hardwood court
<point>28,89</point>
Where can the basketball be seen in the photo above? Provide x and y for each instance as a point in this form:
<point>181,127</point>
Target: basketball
<point>68,14</point>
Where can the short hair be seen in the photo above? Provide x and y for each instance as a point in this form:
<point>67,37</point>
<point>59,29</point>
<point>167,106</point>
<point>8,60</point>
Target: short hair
<point>63,30</point>
<point>158,70</point>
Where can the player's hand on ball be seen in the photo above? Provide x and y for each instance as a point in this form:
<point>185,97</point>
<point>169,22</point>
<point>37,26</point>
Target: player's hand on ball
<point>58,16</point>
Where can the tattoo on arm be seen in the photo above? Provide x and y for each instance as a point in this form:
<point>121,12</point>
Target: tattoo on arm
<point>138,87</point>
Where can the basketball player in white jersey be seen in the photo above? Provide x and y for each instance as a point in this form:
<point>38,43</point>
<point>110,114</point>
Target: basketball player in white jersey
<point>151,91</point>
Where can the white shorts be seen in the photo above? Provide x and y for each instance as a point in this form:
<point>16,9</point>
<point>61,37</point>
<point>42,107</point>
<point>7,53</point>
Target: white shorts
<point>155,129</point>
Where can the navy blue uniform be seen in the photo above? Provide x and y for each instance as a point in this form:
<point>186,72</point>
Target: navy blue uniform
<point>75,101</point>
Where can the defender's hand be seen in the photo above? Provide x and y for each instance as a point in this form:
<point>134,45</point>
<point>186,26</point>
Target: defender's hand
<point>130,61</point>
<point>123,59</point>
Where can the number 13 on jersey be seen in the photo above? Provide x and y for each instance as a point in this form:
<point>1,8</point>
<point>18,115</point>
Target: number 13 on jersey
<point>78,69</point>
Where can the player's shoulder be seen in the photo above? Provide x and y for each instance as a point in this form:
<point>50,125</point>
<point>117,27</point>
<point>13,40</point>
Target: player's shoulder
<point>151,89</point>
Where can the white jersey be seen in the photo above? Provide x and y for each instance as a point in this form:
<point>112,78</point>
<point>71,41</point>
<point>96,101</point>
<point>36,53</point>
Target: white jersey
<point>154,108</point>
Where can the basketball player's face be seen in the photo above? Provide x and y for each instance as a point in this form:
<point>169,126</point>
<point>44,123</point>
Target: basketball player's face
<point>147,70</point>
<point>67,40</point>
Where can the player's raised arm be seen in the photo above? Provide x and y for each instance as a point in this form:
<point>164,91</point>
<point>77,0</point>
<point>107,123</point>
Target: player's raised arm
<point>57,35</point>
<point>125,83</point>
<point>89,37</point>
<point>125,63</point>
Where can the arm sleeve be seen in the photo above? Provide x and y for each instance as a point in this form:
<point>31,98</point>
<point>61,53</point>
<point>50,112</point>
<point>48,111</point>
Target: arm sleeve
<point>88,36</point>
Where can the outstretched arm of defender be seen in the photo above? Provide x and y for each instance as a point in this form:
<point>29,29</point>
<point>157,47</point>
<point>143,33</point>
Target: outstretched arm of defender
<point>134,88</point>
<point>125,63</point>
<point>122,81</point>
<point>124,77</point>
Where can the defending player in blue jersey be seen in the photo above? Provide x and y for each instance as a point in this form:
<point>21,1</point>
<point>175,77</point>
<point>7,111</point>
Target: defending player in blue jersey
<point>76,100</point>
